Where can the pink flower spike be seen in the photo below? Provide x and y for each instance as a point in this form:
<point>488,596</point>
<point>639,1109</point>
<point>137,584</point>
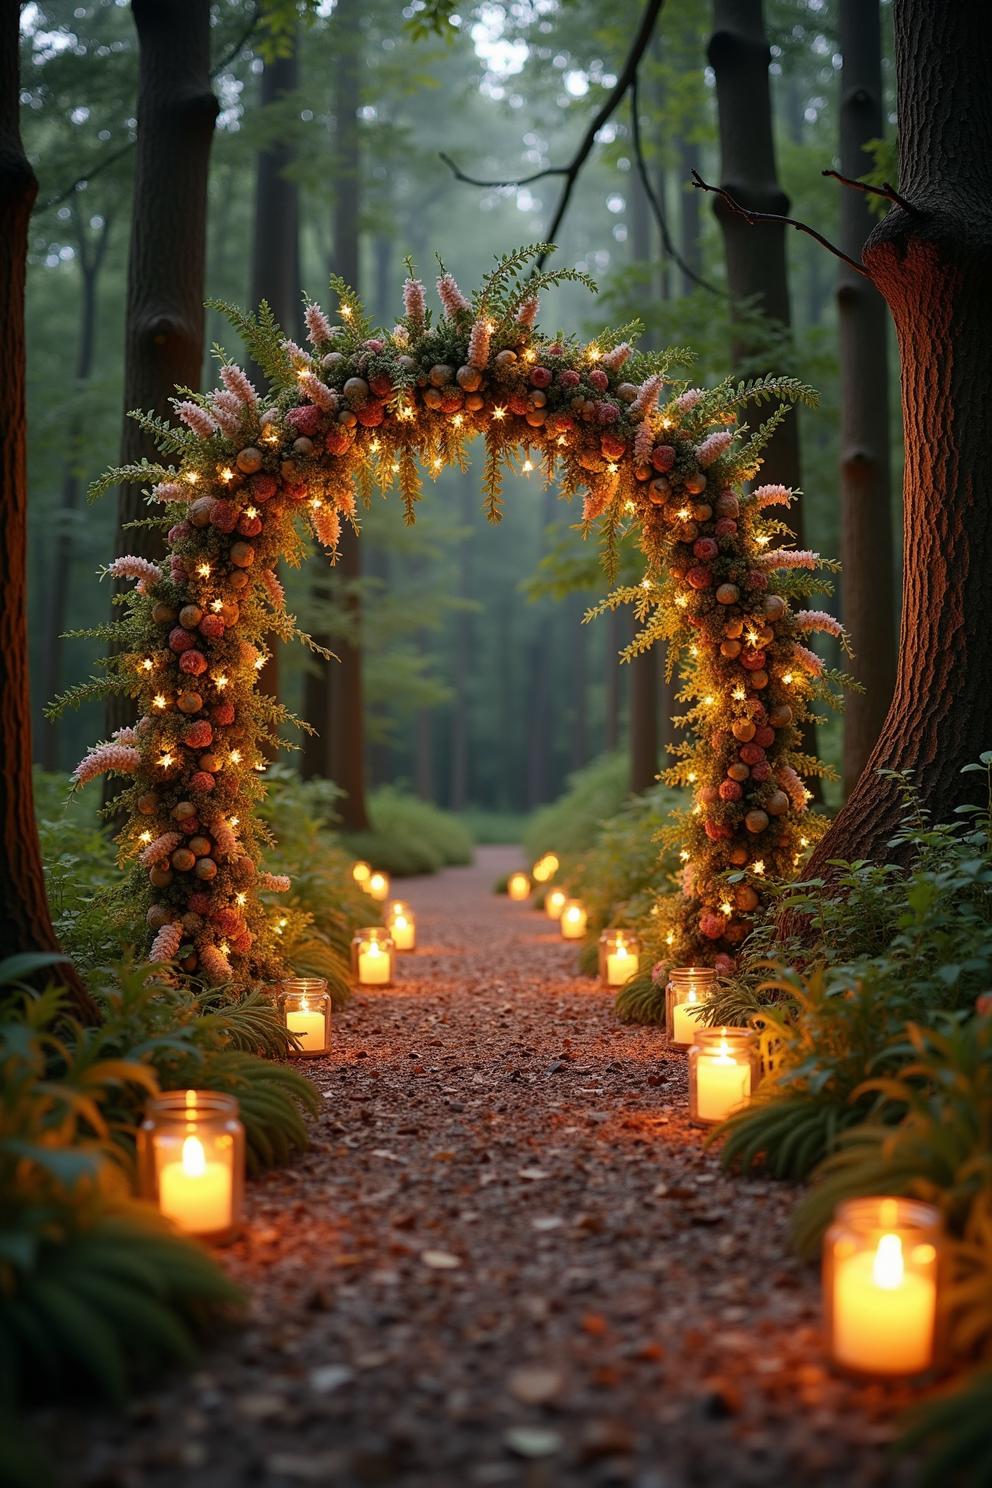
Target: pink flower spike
<point>229,421</point>
<point>614,360</point>
<point>326,526</point>
<point>452,299</point>
<point>237,382</point>
<point>643,443</point>
<point>647,398</point>
<point>772,495</point>
<point>415,306</point>
<point>819,620</point>
<point>196,418</point>
<point>713,447</point>
<point>159,849</point>
<point>169,491</point>
<point>224,839</point>
<point>790,558</point>
<point>129,566</point>
<point>274,589</point>
<point>214,963</point>
<point>120,759</point>
<point>808,660</point>
<point>167,942</point>
<point>527,314</point>
<point>478,344</point>
<point>318,325</point>
<point>126,734</point>
<point>277,883</point>
<point>296,354</point>
<point>688,400</point>
<point>318,392</point>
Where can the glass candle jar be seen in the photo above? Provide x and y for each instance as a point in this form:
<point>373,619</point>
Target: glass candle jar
<point>518,886</point>
<point>619,957</point>
<point>373,956</point>
<point>554,902</point>
<point>882,1263</point>
<point>191,1161</point>
<point>545,868</point>
<point>361,872</point>
<point>572,921</point>
<point>724,1070</point>
<point>378,886</point>
<point>306,1011</point>
<point>402,925</point>
<point>688,988</point>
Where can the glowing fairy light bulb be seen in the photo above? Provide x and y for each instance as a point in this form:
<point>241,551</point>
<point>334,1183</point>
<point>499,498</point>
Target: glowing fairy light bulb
<point>739,694</point>
<point>670,938</point>
<point>241,898</point>
<point>259,663</point>
<point>165,760</point>
<point>758,867</point>
<point>787,678</point>
<point>221,682</point>
<point>681,600</point>
<point>490,327</point>
<point>592,352</point>
<point>159,700</point>
<point>563,439</point>
<point>684,855</point>
<point>499,414</point>
<point>224,948</point>
<point>692,777</point>
<point>530,354</point>
<point>458,420</point>
<point>683,514</point>
<point>251,512</point>
<point>316,503</point>
<point>726,908</point>
<point>527,466</point>
<point>612,469</point>
<point>804,842</point>
<point>216,605</point>
<point>235,756</point>
<point>645,582</point>
<point>666,423</point>
<point>697,810</point>
<point>270,435</point>
<point>227,474</point>
<point>234,821</point>
<point>752,637</point>
<point>203,570</point>
<point>147,665</point>
<point>693,650</point>
<point>406,412</point>
<point>145,837</point>
<point>345,312</point>
<point>708,700</point>
<point>436,463</point>
<point>192,476</point>
<point>375,446</point>
<point>395,467</point>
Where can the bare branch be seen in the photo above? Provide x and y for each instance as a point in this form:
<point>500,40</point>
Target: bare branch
<point>755,217</point>
<point>652,197</point>
<point>886,190</point>
<point>570,172</point>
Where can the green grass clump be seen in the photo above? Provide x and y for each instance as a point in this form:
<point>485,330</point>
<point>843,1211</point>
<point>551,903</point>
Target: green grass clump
<point>410,836</point>
<point>592,796</point>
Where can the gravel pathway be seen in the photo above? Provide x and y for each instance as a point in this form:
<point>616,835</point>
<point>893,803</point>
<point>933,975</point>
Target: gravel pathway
<point>506,1259</point>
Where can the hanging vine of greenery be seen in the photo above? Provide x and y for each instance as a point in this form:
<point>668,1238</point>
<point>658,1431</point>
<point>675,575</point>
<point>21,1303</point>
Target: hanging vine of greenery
<point>360,410</point>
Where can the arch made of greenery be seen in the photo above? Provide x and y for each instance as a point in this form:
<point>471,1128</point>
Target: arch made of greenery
<point>361,410</point>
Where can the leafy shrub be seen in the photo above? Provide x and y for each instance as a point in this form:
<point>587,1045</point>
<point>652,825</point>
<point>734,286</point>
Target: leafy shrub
<point>894,943</point>
<point>95,1288</point>
<point>592,796</point>
<point>410,836</point>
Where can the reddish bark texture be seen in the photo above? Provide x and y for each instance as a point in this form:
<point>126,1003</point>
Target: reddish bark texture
<point>868,584</point>
<point>933,267</point>
<point>25,924</point>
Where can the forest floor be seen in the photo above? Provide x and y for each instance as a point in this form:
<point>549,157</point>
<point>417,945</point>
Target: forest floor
<point>506,1259</point>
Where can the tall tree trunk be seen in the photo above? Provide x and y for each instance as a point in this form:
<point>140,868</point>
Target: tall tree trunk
<point>460,717</point>
<point>757,265</point>
<point>90,258</point>
<point>868,591</point>
<point>335,691</point>
<point>275,262</point>
<point>423,775</point>
<point>25,923</point>
<point>932,268</point>
<point>163,339</point>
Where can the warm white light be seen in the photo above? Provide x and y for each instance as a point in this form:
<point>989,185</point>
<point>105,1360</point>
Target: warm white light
<point>758,867</point>
<point>888,1267</point>
<point>144,837</point>
<point>220,682</point>
<point>147,664</point>
<point>216,605</point>
<point>499,413</point>
<point>345,312</point>
<point>241,898</point>
<point>194,1158</point>
<point>227,474</point>
<point>251,511</point>
<point>681,600</point>
<point>159,701</point>
<point>165,761</point>
<point>527,467</point>
<point>458,420</point>
<point>235,756</point>
<point>203,569</point>
<point>375,446</point>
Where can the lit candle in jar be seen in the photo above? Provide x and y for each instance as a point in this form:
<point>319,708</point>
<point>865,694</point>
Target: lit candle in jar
<point>309,1026</point>
<point>194,1193</point>
<point>554,903</point>
<point>724,1068</point>
<point>518,886</point>
<point>545,868</point>
<point>403,929</point>
<point>880,1285</point>
<point>620,965</point>
<point>688,988</point>
<point>379,885</point>
<point>572,921</point>
<point>361,872</point>
<point>191,1161</point>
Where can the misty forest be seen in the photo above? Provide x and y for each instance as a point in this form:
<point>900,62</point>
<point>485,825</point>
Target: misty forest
<point>495,743</point>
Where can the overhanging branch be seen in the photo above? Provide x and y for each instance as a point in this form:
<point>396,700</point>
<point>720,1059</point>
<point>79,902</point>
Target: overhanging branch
<point>887,191</point>
<point>757,217</point>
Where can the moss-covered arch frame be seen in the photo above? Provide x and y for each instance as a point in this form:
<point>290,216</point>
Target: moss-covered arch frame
<point>244,474</point>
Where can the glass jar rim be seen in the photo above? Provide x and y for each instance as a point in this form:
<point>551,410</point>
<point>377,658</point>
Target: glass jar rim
<point>176,1105</point>
<point>620,932</point>
<point>372,932</point>
<point>692,973</point>
<point>303,986</point>
<point>865,1213</point>
<point>711,1038</point>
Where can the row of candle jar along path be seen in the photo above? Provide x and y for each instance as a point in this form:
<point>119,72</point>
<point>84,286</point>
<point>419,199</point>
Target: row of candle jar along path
<point>882,1255</point>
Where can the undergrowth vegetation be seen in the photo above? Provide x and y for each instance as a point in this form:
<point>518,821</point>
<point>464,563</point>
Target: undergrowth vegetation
<point>409,835</point>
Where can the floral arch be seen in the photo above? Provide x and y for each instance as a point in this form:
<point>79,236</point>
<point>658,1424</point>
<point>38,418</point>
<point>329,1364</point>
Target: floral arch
<point>360,410</point>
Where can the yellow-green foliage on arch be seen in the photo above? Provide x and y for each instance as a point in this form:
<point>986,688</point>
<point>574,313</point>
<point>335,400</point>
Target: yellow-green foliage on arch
<point>360,409</point>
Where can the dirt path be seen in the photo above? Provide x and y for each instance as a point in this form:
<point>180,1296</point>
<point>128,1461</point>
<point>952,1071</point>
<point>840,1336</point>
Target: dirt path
<point>507,1259</point>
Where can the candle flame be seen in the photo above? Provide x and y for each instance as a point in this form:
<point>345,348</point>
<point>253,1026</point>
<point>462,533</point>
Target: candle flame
<point>888,1267</point>
<point>194,1158</point>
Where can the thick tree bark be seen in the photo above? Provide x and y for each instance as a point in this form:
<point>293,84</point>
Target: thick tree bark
<point>90,256</point>
<point>868,584</point>
<point>25,923</point>
<point>275,263</point>
<point>757,265</point>
<point>163,339</point>
<point>932,267</point>
<point>335,691</point>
